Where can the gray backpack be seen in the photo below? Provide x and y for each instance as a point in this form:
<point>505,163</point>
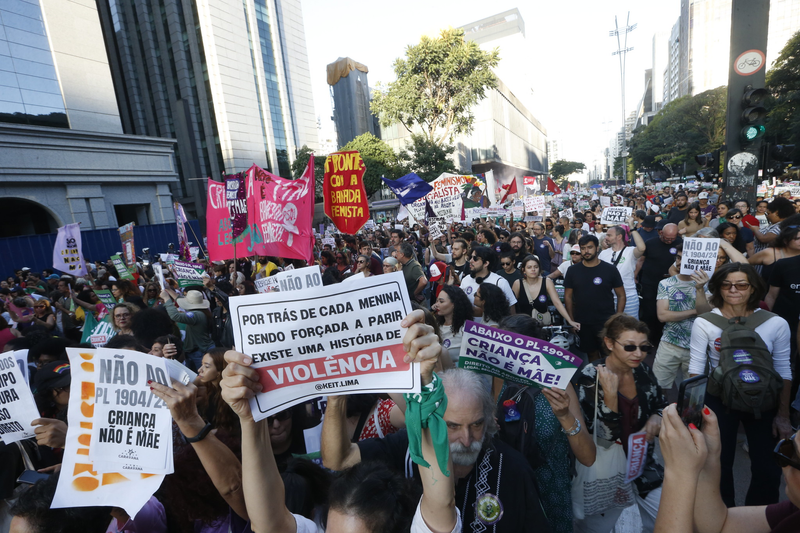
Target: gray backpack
<point>745,379</point>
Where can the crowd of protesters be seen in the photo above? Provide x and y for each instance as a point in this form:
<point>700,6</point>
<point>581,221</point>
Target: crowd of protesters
<point>639,324</point>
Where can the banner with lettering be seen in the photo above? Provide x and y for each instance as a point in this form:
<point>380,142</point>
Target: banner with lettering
<point>447,197</point>
<point>183,237</point>
<point>346,202</point>
<point>17,407</point>
<point>67,254</point>
<point>128,249</point>
<point>188,274</point>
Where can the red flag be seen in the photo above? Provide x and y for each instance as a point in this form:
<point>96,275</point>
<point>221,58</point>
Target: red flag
<point>346,200</point>
<point>552,187</point>
<point>511,188</point>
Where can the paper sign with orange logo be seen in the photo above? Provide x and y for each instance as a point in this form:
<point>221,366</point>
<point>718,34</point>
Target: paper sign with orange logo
<point>81,483</point>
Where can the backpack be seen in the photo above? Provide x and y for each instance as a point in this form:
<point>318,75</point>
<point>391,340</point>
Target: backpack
<point>745,379</point>
<point>520,434</point>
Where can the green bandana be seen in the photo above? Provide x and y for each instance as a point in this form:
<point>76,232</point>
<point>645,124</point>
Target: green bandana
<point>425,410</point>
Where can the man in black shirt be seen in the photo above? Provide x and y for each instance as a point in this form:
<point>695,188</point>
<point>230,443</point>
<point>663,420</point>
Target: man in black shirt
<point>678,213</point>
<point>543,247</point>
<point>589,290</point>
<point>659,255</point>
<point>783,297</point>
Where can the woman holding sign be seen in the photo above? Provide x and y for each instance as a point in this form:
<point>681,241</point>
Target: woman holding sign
<point>536,294</point>
<point>620,398</point>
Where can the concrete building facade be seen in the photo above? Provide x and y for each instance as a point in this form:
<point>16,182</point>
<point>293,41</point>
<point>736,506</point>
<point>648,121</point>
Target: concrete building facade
<point>63,155</point>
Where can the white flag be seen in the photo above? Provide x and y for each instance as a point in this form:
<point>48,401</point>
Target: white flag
<point>67,254</point>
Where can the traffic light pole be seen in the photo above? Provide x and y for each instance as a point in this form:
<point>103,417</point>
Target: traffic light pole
<point>745,113</point>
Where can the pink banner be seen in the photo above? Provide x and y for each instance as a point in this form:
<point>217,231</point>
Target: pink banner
<point>279,214</point>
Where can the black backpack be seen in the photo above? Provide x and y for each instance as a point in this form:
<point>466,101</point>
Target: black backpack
<point>520,434</point>
<point>745,379</point>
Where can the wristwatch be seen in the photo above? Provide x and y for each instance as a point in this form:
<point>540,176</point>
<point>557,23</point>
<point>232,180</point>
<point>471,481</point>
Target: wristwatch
<point>200,436</point>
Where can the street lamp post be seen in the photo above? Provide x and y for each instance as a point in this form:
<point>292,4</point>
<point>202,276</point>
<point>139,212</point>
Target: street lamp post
<point>622,51</point>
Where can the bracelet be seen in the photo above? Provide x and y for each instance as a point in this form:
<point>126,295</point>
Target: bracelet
<point>200,436</point>
<point>574,430</point>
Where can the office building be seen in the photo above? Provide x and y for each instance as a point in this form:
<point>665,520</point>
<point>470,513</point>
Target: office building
<point>228,79</point>
<point>63,155</point>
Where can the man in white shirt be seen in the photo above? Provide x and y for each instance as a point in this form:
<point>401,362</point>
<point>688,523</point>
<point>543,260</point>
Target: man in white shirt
<point>624,257</point>
<point>482,263</point>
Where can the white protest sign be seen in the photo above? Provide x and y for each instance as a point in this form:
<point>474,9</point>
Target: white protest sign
<point>17,407</point>
<point>637,455</point>
<point>338,339</point>
<point>399,227</point>
<point>528,203</point>
<point>194,252</point>
<point>160,276</point>
<point>699,254</point>
<point>435,232</point>
<point>354,277</point>
<point>132,428</point>
<point>179,371</point>
<point>566,213</point>
<point>329,241</point>
<point>515,357</point>
<point>605,201</point>
<point>81,484</point>
<point>291,280</point>
<point>615,215</point>
<point>537,204</point>
<point>370,224</point>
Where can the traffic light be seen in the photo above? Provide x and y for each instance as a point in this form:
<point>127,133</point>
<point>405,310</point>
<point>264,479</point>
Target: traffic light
<point>781,156</point>
<point>753,115</point>
<point>709,162</point>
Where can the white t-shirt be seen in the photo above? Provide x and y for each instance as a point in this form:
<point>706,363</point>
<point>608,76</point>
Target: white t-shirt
<point>469,286</point>
<point>626,267</point>
<point>418,525</point>
<point>563,267</point>
<point>705,337</point>
<point>452,342</point>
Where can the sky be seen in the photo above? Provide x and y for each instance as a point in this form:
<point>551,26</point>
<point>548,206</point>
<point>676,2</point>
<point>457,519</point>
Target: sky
<point>563,69</point>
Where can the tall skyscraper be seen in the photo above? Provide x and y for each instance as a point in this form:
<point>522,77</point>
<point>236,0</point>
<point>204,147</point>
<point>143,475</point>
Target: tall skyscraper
<point>350,92</point>
<point>63,155</point>
<point>229,79</point>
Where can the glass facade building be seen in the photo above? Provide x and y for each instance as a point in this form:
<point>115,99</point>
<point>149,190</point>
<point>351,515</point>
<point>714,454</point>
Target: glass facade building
<point>29,88</point>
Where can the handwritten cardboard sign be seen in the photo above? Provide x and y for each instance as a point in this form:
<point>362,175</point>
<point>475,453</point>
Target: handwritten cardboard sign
<point>699,254</point>
<point>615,215</point>
<point>566,213</point>
<point>329,340</point>
<point>17,407</point>
<point>435,232</point>
<point>515,357</point>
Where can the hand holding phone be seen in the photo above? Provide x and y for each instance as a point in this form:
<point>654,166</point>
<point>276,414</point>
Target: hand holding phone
<point>692,399</point>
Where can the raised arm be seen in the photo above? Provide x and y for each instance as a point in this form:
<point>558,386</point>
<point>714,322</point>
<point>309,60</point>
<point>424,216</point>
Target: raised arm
<point>338,453</point>
<point>735,255</point>
<point>640,245</point>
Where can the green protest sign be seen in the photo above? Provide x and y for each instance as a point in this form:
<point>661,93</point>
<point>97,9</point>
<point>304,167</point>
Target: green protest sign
<point>106,298</point>
<point>122,270</point>
<point>188,274</point>
<point>97,333</point>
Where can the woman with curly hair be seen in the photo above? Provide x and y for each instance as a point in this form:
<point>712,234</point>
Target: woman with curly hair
<point>452,309</point>
<point>492,300</point>
<point>151,292</point>
<point>125,291</point>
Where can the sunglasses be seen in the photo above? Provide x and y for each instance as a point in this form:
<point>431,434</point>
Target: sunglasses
<point>784,453</point>
<point>40,306</point>
<point>361,262</point>
<point>283,416</point>
<point>740,285</point>
<point>735,217</point>
<point>506,264</point>
<point>645,348</point>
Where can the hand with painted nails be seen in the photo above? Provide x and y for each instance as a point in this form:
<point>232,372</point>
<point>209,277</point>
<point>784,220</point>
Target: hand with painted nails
<point>683,448</point>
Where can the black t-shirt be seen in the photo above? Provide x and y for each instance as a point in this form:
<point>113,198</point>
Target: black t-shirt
<point>510,278</point>
<point>658,257</point>
<point>592,291</point>
<point>462,271</point>
<point>499,467</point>
<point>786,275</point>
<point>676,215</point>
<point>543,252</point>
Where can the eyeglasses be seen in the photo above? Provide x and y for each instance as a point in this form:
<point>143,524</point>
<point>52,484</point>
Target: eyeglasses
<point>283,416</point>
<point>735,217</point>
<point>644,348</point>
<point>740,285</point>
<point>40,306</point>
<point>122,315</point>
<point>506,264</point>
<point>361,262</point>
<point>784,453</point>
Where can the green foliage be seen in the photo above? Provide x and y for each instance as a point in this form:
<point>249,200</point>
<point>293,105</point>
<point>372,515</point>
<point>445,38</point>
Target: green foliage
<point>561,169</point>
<point>378,157</point>
<point>437,84</point>
<point>783,83</point>
<point>428,159</point>
<point>685,127</point>
<point>299,166</point>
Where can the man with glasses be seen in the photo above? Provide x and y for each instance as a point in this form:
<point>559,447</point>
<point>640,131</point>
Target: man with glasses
<point>375,266</point>
<point>679,301</point>
<point>589,290</point>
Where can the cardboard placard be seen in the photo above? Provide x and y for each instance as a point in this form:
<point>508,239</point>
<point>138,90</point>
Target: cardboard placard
<point>435,232</point>
<point>566,213</point>
<point>328,340</point>
<point>637,455</point>
<point>699,254</point>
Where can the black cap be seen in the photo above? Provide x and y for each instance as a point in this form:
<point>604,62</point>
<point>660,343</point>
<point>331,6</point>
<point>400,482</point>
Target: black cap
<point>649,222</point>
<point>661,223</point>
<point>52,376</point>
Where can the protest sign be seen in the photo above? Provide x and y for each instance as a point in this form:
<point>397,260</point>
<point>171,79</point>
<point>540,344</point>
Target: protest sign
<point>448,194</point>
<point>699,254</point>
<point>605,201</point>
<point>637,455</point>
<point>21,357</point>
<point>106,298</point>
<point>183,237</point>
<point>126,237</point>
<point>529,218</point>
<point>337,339</point>
<point>194,253</point>
<point>566,213</point>
<point>346,202</point>
<point>291,280</point>
<point>132,428</point>
<point>515,357</point>
<point>17,407</point>
<point>97,332</point>
<point>159,271</point>
<point>370,224</point>
<point>236,198</point>
<point>530,185</point>
<point>179,372</point>
<point>67,254</point>
<point>615,215</point>
<point>435,232</point>
<point>329,241</point>
<point>188,274</point>
<point>537,204</point>
<point>399,227</point>
<point>122,270</point>
<point>81,483</point>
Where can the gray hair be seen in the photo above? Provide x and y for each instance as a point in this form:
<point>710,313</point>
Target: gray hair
<point>391,260</point>
<point>471,385</point>
<point>709,233</point>
<point>406,249</point>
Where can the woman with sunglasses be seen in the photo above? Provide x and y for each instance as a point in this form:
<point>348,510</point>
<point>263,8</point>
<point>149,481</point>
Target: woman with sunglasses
<point>736,292</point>
<point>43,314</point>
<point>735,217</point>
<point>343,262</point>
<point>151,292</point>
<point>363,265</point>
<point>629,401</point>
<point>691,500</point>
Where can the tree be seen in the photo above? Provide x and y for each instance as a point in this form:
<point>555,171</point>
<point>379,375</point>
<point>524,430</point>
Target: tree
<point>299,166</point>
<point>437,84</point>
<point>378,157</point>
<point>783,83</point>
<point>561,169</point>
<point>428,159</point>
